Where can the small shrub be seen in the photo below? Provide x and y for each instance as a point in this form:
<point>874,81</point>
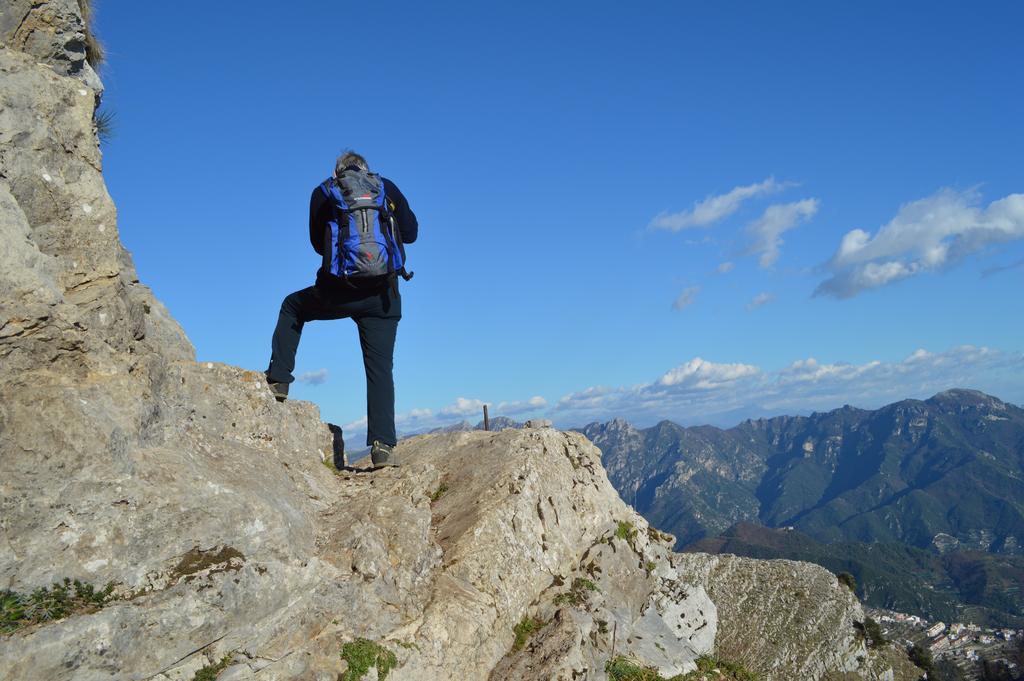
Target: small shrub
<point>577,594</point>
<point>524,630</point>
<point>362,654</point>
<point>12,611</point>
<point>625,530</point>
<point>623,669</point>
<point>211,671</point>
<point>104,122</point>
<point>873,630</point>
<point>848,580</point>
<point>922,657</point>
<point>439,492</point>
<point>50,603</point>
<point>657,535</point>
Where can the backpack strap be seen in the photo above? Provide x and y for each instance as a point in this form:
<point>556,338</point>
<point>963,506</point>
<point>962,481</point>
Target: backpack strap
<point>341,217</point>
<point>396,234</point>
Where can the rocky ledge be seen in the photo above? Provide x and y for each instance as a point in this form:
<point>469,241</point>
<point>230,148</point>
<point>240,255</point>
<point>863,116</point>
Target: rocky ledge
<point>165,519</point>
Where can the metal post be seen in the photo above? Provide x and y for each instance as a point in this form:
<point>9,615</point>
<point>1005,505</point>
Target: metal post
<point>487,420</point>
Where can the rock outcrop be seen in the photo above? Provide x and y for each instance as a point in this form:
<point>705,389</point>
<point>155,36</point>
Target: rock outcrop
<point>208,507</point>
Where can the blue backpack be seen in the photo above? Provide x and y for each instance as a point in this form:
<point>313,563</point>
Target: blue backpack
<point>364,244</point>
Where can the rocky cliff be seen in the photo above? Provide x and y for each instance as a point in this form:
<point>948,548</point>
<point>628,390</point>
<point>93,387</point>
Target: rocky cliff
<point>230,547</point>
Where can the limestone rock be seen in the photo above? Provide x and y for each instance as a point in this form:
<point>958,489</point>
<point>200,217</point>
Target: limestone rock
<point>52,32</point>
<point>793,621</point>
<point>208,507</point>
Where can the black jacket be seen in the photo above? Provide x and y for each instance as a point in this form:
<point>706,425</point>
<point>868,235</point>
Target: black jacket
<point>320,213</point>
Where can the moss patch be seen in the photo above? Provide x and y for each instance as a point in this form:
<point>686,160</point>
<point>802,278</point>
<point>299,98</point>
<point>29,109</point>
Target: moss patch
<point>50,603</point>
<point>362,654</point>
<point>215,560</point>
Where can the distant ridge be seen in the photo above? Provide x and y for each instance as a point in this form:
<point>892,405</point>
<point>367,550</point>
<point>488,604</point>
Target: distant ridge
<point>941,476</point>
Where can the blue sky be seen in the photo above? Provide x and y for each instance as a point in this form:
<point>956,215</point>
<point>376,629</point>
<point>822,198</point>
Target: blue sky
<point>697,211</point>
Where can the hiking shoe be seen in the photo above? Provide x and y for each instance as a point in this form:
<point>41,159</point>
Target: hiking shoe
<point>278,390</point>
<point>383,455</point>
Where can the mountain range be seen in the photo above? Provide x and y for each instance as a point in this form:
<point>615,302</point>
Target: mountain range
<point>933,489</point>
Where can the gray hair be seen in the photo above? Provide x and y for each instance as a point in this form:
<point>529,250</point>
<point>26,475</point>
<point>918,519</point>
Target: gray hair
<point>349,158</point>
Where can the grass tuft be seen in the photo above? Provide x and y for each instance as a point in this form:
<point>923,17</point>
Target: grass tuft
<point>624,669</point>
<point>524,630</point>
<point>95,53</point>
<point>211,671</point>
<point>621,668</point>
<point>104,123</point>
<point>578,592</point>
<point>625,530</point>
<point>362,654</point>
<point>439,492</point>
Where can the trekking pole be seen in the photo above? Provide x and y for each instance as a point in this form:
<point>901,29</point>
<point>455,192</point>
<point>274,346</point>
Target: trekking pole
<point>487,420</point>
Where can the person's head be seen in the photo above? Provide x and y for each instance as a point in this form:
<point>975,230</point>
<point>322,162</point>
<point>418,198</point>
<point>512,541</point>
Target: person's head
<point>349,158</point>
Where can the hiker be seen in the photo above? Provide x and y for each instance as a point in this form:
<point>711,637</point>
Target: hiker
<point>359,222</point>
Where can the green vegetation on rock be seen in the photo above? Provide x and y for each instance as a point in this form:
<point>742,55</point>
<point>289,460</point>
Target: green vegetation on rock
<point>50,603</point>
<point>362,654</point>
<point>922,657</point>
<point>211,671</point>
<point>578,592</point>
<point>526,628</point>
<point>624,669</point>
<point>95,54</point>
<point>625,530</point>
<point>439,492</point>
<point>873,630</point>
<point>848,580</point>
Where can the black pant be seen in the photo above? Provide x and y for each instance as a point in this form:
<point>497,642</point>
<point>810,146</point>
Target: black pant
<point>376,313</point>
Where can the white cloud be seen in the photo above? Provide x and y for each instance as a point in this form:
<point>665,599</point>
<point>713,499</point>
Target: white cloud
<point>520,406</point>
<point>462,407</point>
<point>926,235</point>
<point>725,268</point>
<point>357,425</point>
<point>715,208</point>
<point>704,375</point>
<point>313,377</point>
<point>686,298</point>
<point>760,300</point>
<point>766,232</point>
<point>701,391</point>
<point>421,419</point>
